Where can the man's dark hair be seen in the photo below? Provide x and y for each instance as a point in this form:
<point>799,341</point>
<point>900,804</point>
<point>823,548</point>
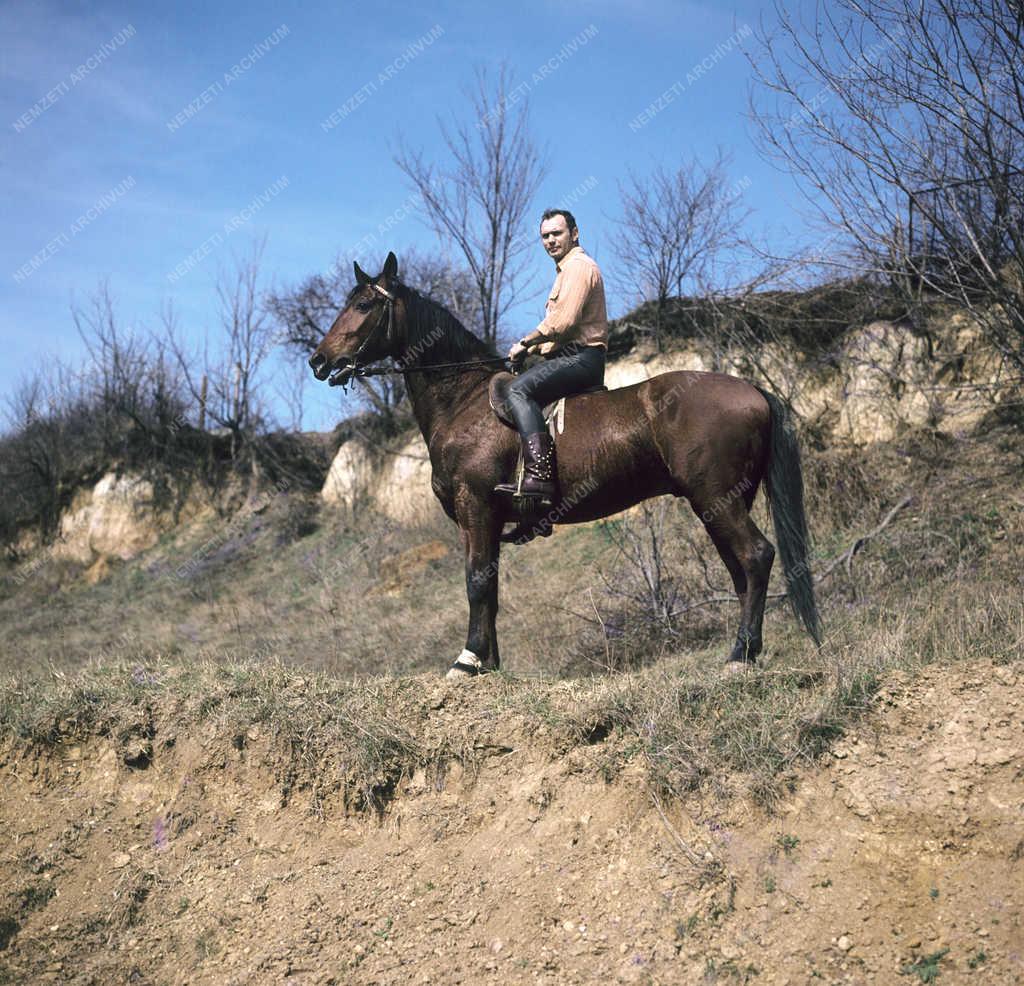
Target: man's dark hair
<point>570,219</point>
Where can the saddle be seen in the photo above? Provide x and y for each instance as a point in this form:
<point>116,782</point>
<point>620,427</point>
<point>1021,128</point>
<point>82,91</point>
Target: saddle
<point>554,414</point>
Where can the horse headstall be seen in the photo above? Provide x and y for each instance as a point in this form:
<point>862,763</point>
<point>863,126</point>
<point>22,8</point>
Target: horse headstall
<point>345,377</point>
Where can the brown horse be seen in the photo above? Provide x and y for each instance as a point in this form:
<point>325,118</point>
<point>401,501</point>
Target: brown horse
<point>709,437</point>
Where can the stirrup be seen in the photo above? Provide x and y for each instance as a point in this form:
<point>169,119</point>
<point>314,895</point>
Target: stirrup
<point>535,480</point>
<point>526,498</point>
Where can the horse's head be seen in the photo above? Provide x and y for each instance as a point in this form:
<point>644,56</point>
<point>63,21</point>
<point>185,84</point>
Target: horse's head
<point>364,331</point>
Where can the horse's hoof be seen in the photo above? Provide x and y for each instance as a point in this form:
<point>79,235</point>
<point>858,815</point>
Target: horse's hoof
<point>732,668</point>
<point>467,665</point>
<point>459,672</point>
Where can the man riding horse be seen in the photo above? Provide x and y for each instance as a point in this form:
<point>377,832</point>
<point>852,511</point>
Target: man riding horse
<point>573,339</point>
<point>711,438</point>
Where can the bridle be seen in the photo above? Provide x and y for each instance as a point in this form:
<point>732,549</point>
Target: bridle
<point>388,320</point>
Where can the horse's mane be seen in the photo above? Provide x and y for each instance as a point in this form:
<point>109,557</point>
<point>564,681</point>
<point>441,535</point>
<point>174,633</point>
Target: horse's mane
<point>435,335</point>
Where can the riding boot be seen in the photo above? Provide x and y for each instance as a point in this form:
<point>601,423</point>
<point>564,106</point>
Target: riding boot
<point>538,469</point>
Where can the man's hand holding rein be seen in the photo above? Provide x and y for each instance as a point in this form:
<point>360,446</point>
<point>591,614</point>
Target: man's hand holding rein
<point>522,348</point>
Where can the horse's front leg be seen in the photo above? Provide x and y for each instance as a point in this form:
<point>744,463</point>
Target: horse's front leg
<point>481,530</point>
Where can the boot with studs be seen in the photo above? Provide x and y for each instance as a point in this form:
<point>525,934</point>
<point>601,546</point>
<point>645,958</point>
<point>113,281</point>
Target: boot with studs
<point>538,469</point>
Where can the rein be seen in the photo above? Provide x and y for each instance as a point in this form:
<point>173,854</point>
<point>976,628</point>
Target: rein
<point>378,371</point>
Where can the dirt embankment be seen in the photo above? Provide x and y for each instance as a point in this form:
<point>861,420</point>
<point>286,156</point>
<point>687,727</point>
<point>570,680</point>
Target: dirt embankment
<point>197,859</point>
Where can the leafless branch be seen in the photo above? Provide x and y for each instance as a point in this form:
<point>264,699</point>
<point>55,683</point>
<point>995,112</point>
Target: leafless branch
<point>905,121</point>
<point>673,230</point>
<point>479,197</point>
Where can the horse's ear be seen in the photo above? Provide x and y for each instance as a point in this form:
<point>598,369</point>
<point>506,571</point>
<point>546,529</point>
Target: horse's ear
<point>361,276</point>
<point>391,267</point>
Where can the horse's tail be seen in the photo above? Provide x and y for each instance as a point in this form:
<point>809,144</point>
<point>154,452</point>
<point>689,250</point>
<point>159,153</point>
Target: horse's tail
<point>784,486</point>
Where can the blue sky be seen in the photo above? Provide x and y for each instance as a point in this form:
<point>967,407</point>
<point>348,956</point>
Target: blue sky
<point>91,105</point>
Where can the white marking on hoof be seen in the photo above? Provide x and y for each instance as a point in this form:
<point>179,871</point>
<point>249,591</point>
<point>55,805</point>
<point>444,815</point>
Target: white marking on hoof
<point>466,658</point>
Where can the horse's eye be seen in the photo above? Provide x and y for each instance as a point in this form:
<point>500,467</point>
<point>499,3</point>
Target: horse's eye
<point>363,306</point>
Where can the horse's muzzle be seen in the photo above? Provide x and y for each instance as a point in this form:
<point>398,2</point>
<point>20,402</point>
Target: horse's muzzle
<point>332,372</point>
<point>318,364</point>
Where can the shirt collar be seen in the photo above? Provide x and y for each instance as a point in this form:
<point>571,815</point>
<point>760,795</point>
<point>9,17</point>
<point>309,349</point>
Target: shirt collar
<point>572,253</point>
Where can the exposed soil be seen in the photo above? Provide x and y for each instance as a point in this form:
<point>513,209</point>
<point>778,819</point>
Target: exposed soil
<point>197,859</point>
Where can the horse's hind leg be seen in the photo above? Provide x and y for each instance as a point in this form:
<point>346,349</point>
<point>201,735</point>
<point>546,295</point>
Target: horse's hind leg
<point>748,555</point>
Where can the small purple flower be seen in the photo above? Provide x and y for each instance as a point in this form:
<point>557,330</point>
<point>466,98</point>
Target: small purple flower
<point>160,840</point>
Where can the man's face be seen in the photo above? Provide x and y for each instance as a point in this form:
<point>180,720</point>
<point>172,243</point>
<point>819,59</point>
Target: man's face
<point>556,237</point>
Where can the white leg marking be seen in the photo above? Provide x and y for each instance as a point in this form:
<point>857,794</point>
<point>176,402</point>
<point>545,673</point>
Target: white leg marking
<point>466,657</point>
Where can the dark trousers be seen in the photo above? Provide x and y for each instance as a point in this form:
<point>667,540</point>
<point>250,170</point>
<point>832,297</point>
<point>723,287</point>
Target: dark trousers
<point>574,368</point>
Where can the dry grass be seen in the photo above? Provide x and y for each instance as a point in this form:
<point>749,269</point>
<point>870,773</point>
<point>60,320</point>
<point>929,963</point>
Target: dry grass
<point>296,637</point>
<point>691,726</point>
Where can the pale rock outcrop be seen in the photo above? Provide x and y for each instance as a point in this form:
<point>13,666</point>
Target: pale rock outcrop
<point>394,481</point>
<point>113,519</point>
<point>352,477</point>
<point>404,493</point>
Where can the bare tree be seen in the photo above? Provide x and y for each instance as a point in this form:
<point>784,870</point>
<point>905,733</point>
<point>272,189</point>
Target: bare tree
<point>439,277</point>
<point>290,388</point>
<point>130,382</point>
<point>34,462</point>
<point>905,120</point>
<point>644,582</point>
<point>478,199</point>
<point>227,383</point>
<point>304,312</point>
<point>673,230</point>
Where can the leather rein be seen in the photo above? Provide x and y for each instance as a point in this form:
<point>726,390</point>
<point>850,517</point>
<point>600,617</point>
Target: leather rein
<point>388,320</point>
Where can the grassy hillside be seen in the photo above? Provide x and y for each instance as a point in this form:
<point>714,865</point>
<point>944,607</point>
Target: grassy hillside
<point>293,588</point>
<point>178,818</point>
<point>366,596</point>
<point>234,758</point>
